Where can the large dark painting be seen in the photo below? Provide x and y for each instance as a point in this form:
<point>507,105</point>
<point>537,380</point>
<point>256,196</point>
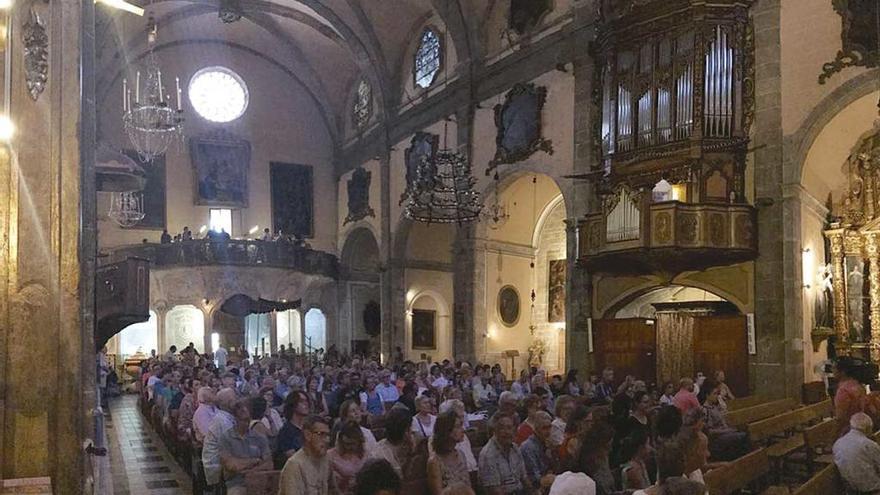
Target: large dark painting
<point>556,291</point>
<point>518,122</point>
<point>359,196</point>
<point>221,171</point>
<point>423,331</point>
<point>292,198</point>
<point>526,14</point>
<point>153,193</point>
<point>508,305</point>
<point>858,35</point>
<point>423,146</point>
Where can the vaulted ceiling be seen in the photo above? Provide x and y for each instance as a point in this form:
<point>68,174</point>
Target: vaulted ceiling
<point>323,45</point>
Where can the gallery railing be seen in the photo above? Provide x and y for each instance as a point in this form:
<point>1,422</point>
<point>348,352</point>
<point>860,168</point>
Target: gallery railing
<point>275,254</point>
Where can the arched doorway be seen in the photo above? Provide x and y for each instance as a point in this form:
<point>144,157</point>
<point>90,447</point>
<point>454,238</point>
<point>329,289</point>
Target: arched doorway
<point>288,325</point>
<point>360,296</point>
<point>140,337</point>
<point>316,331</point>
<point>666,333</point>
<point>184,324</point>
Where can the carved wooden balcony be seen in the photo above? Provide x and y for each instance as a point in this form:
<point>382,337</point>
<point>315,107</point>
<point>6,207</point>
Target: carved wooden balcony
<point>274,254</point>
<point>668,237</point>
<point>122,296</point>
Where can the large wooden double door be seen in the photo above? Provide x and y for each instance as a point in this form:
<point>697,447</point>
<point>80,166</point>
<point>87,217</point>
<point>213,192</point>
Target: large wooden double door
<point>629,345</point>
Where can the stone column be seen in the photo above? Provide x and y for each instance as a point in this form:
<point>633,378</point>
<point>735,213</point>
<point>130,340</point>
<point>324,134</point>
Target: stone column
<point>273,332</point>
<point>302,330</point>
<point>47,248</point>
<point>469,286</point>
<point>161,338</point>
<point>390,335</point>
<point>872,249</point>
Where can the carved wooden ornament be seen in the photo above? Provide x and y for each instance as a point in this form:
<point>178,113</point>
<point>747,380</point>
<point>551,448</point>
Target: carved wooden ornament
<point>519,125</point>
<point>36,54</point>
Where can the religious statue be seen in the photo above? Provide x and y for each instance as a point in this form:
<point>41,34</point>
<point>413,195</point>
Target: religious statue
<point>823,307</point>
<point>536,352</point>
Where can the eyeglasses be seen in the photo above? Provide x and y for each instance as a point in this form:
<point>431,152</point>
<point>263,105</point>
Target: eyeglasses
<point>320,433</point>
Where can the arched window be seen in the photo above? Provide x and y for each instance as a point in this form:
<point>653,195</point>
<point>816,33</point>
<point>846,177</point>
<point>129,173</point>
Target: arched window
<point>363,104</point>
<point>140,337</point>
<point>256,334</point>
<point>316,330</point>
<point>427,59</point>
<point>218,94</point>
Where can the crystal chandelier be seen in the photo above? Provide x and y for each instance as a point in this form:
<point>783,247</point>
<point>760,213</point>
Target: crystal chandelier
<point>444,190</point>
<point>126,208</point>
<point>496,214</point>
<point>149,120</point>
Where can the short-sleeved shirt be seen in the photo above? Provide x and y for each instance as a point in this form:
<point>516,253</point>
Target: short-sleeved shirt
<point>251,445</point>
<point>305,475</point>
<point>497,470</point>
<point>536,458</point>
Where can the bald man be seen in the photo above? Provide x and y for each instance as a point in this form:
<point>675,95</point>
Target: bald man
<point>858,457</point>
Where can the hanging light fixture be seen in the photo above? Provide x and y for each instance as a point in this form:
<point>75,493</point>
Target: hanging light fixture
<point>126,208</point>
<point>444,191</point>
<point>496,214</point>
<point>150,121</point>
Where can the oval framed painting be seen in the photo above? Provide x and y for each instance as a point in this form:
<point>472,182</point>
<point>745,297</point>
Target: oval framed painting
<point>508,305</point>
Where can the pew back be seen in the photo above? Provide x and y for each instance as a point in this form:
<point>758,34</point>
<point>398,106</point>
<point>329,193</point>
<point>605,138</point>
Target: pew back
<point>775,425</point>
<point>748,415</point>
<point>739,474</point>
<point>825,482</point>
<point>744,402</point>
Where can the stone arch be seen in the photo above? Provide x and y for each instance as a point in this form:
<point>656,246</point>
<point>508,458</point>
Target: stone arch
<point>360,251</point>
<point>633,294</point>
<point>442,330</point>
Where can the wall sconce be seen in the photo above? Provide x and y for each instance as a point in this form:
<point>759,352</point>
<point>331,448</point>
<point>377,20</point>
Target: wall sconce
<point>808,267</point>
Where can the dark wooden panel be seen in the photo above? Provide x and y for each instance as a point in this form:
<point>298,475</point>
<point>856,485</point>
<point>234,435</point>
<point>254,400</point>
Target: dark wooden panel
<point>721,343</point>
<point>628,345</point>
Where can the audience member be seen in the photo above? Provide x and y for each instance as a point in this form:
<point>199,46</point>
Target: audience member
<point>537,452</point>
<point>502,469</point>
<point>346,457</point>
<point>685,399</point>
<point>220,424</point>
<point>446,465</point>
<point>397,446</point>
<point>423,421</point>
<point>242,450</point>
<point>377,477</point>
<point>307,472</point>
<point>291,437</point>
<point>857,456</point>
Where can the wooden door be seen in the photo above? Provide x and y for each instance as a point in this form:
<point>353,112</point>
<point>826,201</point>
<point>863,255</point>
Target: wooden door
<point>720,343</point>
<point>628,345</point>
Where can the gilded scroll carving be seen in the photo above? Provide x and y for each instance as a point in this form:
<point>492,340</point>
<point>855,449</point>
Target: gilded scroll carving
<point>36,54</point>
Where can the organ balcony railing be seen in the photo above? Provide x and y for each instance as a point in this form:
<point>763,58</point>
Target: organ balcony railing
<point>634,235</point>
<point>256,253</point>
<point>674,87</point>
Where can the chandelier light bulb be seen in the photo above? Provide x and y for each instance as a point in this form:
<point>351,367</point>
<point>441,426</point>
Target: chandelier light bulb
<point>7,128</point>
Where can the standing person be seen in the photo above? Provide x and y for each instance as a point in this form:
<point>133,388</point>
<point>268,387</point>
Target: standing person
<point>447,465</point>
<point>242,450</point>
<point>222,422</point>
<point>502,469</point>
<point>308,471</point>
<point>170,356</point>
<point>187,234</point>
<point>536,452</point>
<point>103,371</point>
<point>668,394</point>
<point>220,357</point>
<point>850,396</point>
<point>347,457</point>
<point>726,394</point>
<point>857,456</point>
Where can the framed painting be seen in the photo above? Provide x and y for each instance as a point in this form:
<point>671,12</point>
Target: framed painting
<point>556,291</point>
<point>358,187</point>
<point>292,192</point>
<point>221,171</point>
<point>424,332</point>
<point>519,126</point>
<point>508,305</point>
<point>858,300</point>
<point>154,192</point>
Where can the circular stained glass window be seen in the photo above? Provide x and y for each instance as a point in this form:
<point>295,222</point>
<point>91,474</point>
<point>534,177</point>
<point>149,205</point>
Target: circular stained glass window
<point>218,94</point>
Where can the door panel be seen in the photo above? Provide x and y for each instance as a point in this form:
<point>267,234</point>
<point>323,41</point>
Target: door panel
<point>628,345</point>
<point>720,343</point>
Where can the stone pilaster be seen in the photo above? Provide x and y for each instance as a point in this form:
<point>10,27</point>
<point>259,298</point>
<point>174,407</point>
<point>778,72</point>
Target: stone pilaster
<point>391,334</point>
<point>47,272</point>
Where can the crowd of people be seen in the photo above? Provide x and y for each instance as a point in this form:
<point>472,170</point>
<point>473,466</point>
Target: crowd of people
<point>354,426</point>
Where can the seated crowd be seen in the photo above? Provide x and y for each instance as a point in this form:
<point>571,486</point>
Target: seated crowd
<point>354,426</point>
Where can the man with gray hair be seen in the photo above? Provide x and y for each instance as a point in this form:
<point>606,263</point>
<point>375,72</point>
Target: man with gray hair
<point>223,421</point>
<point>858,457</point>
<point>536,451</point>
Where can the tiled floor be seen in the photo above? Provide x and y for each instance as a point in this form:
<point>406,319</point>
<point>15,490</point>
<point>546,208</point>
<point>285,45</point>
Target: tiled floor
<point>140,463</point>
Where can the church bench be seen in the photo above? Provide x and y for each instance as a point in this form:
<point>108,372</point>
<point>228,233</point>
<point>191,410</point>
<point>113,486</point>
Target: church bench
<point>817,440</point>
<point>739,474</point>
<point>781,423</point>
<point>825,482</point>
<point>814,392</point>
<point>744,402</point>
<point>742,417</point>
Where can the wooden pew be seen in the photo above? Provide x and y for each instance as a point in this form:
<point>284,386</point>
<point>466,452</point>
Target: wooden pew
<point>814,392</point>
<point>742,417</point>
<point>817,440</point>
<point>739,474</point>
<point>744,402</point>
<point>767,428</point>
<point>826,482</point>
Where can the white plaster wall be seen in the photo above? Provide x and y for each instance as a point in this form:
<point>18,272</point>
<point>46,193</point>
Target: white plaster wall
<point>282,124</point>
<point>812,225</point>
<point>551,246</point>
<point>428,289</point>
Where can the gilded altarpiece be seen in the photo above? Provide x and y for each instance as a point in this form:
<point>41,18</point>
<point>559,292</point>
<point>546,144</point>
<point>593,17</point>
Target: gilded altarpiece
<point>854,241</point>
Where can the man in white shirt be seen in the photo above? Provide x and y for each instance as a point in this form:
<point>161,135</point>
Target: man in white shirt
<point>858,457</point>
<point>220,355</point>
<point>222,422</point>
<point>387,390</point>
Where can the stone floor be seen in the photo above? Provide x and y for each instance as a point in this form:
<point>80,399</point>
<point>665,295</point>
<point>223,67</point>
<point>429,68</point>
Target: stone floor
<point>140,463</point>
